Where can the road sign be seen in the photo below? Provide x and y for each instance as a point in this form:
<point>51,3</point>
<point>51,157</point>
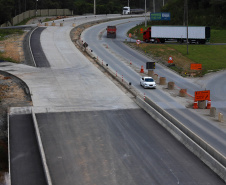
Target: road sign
<point>130,35</point>
<point>150,65</point>
<point>196,66</point>
<point>202,95</point>
<point>170,60</point>
<point>138,42</point>
<point>160,16</point>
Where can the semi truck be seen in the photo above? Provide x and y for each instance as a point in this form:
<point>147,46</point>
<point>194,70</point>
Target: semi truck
<point>111,31</point>
<point>126,10</point>
<point>160,34</point>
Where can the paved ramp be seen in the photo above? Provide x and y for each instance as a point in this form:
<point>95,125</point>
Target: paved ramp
<point>113,147</point>
<point>25,160</point>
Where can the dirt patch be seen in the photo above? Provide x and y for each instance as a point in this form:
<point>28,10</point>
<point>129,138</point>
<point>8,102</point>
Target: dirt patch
<point>12,48</point>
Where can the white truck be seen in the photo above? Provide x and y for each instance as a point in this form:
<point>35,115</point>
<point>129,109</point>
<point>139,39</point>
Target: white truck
<point>126,10</point>
<point>160,34</point>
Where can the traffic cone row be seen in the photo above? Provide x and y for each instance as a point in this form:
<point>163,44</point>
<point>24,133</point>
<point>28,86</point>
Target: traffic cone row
<point>208,104</point>
<point>142,69</point>
<point>195,106</point>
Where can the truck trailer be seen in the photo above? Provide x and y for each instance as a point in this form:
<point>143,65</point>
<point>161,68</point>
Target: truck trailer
<point>111,31</point>
<point>126,10</point>
<point>160,34</point>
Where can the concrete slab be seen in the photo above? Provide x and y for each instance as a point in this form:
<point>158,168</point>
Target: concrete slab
<point>72,80</point>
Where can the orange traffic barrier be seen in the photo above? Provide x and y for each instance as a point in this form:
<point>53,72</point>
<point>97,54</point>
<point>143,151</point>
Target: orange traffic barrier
<point>195,106</point>
<point>208,104</point>
<point>142,69</point>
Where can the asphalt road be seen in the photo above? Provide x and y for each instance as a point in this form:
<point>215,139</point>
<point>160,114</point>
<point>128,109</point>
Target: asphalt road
<point>117,147</point>
<point>40,59</point>
<point>118,57</point>
<point>25,160</point>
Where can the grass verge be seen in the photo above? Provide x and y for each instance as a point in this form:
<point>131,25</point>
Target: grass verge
<point>212,57</point>
<point>6,32</point>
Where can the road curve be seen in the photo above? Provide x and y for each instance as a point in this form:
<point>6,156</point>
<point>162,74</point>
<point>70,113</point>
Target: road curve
<point>117,55</point>
<point>92,132</point>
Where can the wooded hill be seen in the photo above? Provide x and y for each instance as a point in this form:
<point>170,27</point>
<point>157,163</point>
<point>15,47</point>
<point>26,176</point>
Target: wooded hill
<point>201,12</point>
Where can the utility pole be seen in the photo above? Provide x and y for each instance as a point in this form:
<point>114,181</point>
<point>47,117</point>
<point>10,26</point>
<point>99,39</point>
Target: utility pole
<point>94,7</point>
<point>128,3</point>
<point>184,22</point>
<point>186,7</point>
<point>154,6</point>
<point>145,11</point>
<point>36,7</point>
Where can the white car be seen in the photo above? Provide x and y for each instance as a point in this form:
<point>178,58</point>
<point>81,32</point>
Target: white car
<point>147,82</point>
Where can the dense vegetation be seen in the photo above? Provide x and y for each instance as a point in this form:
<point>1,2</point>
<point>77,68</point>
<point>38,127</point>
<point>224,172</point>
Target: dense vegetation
<point>202,12</point>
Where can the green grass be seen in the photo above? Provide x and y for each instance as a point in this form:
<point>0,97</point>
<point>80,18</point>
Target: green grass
<point>218,36</point>
<point>47,20</point>
<point>212,57</point>
<point>6,32</point>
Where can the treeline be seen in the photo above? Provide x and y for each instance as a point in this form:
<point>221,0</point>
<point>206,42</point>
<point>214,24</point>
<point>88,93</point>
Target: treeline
<point>11,8</point>
<point>202,12</point>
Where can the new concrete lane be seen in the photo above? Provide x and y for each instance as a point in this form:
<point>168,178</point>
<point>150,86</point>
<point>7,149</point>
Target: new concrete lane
<point>118,56</point>
<point>112,147</point>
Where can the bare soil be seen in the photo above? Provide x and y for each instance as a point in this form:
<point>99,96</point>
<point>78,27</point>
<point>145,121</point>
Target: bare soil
<point>12,47</point>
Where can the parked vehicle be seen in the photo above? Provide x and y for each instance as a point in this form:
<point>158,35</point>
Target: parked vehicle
<point>160,34</point>
<point>126,10</point>
<point>111,31</point>
<point>147,82</point>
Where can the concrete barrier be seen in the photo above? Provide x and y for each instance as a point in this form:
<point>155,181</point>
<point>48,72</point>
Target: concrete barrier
<point>41,149</point>
<point>202,104</point>
<point>220,117</point>
<point>171,85</point>
<point>211,157</point>
<point>151,73</point>
<point>156,77</point>
<point>212,111</point>
<point>162,81</point>
<point>183,93</point>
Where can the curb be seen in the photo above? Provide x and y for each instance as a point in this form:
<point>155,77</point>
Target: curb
<point>41,149</point>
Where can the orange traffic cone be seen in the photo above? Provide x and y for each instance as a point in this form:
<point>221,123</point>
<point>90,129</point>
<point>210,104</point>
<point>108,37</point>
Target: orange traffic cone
<point>142,69</point>
<point>195,106</point>
<point>208,104</point>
